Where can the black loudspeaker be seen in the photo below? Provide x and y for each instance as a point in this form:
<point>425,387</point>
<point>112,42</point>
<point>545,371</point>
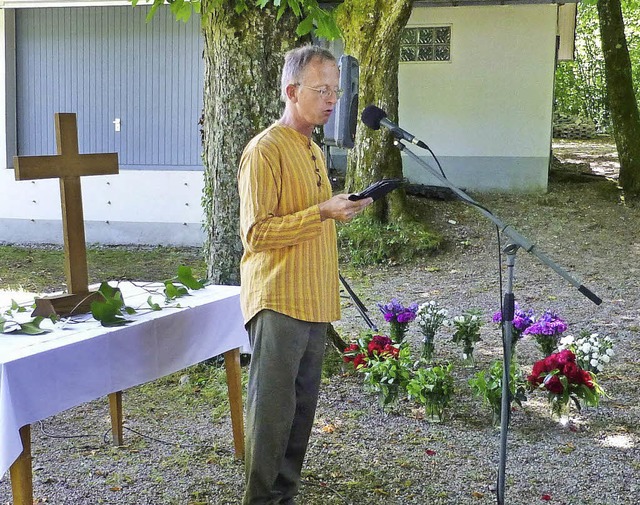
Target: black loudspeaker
<point>340,130</point>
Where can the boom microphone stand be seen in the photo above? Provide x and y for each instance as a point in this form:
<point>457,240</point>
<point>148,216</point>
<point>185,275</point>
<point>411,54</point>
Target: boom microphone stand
<point>518,241</point>
<point>359,305</point>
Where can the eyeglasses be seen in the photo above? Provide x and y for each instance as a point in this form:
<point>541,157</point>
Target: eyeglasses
<point>325,92</point>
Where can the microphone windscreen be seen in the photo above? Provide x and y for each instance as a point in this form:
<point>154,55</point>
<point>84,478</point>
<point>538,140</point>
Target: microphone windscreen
<point>372,115</point>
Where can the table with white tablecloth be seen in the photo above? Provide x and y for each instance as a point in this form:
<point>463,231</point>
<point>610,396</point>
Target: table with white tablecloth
<point>80,360</point>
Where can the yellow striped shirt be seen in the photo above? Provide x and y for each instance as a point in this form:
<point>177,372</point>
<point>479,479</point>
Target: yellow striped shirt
<point>290,260</point>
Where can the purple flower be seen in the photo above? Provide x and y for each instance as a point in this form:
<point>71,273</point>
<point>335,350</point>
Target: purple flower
<point>549,324</point>
<point>521,319</point>
<point>394,311</point>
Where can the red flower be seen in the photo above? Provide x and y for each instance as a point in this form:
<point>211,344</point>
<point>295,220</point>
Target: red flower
<point>378,344</point>
<point>359,361</point>
<point>551,362</point>
<point>546,497</point>
<point>538,372</point>
<point>565,356</point>
<point>350,349</point>
<point>553,384</point>
<point>573,373</point>
<point>587,379</point>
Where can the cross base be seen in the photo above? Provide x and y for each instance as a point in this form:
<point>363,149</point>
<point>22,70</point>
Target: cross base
<point>65,305</point>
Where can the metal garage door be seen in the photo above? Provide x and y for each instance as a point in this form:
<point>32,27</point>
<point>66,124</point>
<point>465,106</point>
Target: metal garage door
<point>136,87</point>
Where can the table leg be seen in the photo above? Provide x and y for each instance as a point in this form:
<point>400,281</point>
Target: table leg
<point>115,409</point>
<point>20,471</point>
<point>234,387</point>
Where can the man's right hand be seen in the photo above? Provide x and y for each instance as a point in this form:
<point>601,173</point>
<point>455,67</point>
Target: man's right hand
<point>341,208</point>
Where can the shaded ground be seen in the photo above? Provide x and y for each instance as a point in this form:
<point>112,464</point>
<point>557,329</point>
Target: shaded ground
<point>599,156</point>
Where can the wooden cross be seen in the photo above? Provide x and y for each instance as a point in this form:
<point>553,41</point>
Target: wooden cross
<point>68,166</point>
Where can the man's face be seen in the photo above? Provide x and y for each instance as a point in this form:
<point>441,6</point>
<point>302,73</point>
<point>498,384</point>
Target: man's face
<point>315,94</point>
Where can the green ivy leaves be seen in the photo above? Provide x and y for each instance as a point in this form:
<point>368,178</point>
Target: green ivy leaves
<point>184,277</point>
<point>109,310</point>
<point>9,325</point>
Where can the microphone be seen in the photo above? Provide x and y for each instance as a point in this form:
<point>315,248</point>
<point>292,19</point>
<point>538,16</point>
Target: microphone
<point>374,117</point>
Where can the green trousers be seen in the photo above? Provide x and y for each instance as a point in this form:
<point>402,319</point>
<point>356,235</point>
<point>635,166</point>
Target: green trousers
<point>284,380</point>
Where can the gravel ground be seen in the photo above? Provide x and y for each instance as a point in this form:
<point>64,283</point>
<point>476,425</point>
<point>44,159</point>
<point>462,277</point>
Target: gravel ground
<point>181,450</point>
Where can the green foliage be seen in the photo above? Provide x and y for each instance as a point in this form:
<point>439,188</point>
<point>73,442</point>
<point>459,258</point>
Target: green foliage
<point>186,279</point>
<point>313,18</point>
<point>487,384</point>
<point>388,375</point>
<point>580,88</point>
<point>574,392</point>
<point>111,308</point>
<point>467,329</point>
<point>365,242</point>
<point>432,387</point>
<point>31,327</point>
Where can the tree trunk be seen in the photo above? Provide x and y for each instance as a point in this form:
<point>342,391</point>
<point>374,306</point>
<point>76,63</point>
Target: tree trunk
<point>243,56</point>
<point>371,30</point>
<point>622,101</point>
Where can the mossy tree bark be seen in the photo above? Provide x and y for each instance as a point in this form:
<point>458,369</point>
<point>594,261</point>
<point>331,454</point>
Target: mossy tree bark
<point>372,30</point>
<point>622,100</point>
<point>243,56</point>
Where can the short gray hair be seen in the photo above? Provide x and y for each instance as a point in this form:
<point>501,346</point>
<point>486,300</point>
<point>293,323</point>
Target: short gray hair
<point>295,62</point>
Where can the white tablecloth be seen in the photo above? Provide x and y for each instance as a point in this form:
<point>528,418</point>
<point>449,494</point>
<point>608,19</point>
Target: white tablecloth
<point>45,374</point>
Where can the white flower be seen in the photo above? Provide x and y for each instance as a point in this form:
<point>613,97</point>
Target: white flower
<point>600,368</point>
<point>605,359</point>
<point>594,362</point>
<point>609,352</point>
<point>585,348</point>
<point>566,341</point>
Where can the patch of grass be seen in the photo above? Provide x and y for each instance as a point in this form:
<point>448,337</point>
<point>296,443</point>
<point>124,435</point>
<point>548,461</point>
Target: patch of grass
<point>41,269</point>
<point>364,242</point>
<point>206,385</point>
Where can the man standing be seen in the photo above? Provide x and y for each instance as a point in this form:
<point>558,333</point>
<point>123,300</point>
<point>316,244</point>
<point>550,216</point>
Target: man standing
<point>289,274</point>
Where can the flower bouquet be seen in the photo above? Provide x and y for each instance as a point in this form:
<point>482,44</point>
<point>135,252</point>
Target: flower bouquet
<point>430,317</point>
<point>366,347</point>
<point>386,366</point>
<point>547,331</point>
<point>468,333</point>
<point>521,321</point>
<point>592,351</point>
<point>488,386</point>
<point>562,378</point>
<point>387,375</point>
<point>432,387</point>
<point>399,317</point>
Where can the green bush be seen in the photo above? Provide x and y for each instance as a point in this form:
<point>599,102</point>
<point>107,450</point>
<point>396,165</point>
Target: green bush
<point>488,386</point>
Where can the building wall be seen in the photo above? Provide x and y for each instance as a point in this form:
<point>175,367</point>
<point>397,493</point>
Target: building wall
<point>486,113</point>
<point>106,64</point>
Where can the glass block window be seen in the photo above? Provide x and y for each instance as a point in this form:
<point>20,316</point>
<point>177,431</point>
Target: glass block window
<point>431,43</point>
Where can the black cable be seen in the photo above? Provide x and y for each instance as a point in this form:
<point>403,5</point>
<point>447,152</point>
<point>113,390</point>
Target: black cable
<point>105,439</point>
<point>54,435</point>
<point>437,161</point>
